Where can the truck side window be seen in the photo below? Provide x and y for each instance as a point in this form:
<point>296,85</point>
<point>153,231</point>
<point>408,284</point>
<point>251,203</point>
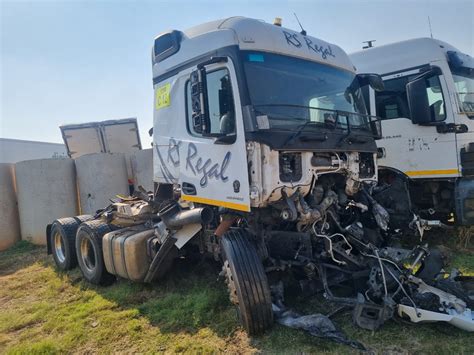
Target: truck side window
<point>393,102</point>
<point>220,103</point>
<point>435,98</point>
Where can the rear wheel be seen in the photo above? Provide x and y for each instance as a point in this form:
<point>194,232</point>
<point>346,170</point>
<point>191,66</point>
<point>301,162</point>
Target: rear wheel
<point>83,218</point>
<point>247,281</point>
<point>63,235</point>
<point>89,252</point>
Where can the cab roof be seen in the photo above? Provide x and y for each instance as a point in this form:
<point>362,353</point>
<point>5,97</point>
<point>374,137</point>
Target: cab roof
<point>401,55</point>
<point>247,34</point>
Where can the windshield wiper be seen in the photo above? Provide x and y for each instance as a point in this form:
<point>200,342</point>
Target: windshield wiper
<point>300,129</point>
<point>349,138</point>
<point>332,122</point>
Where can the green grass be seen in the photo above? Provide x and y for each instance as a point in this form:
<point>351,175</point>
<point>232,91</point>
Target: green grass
<point>43,311</point>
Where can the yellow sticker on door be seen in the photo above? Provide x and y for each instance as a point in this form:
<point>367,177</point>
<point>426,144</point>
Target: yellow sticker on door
<point>162,98</point>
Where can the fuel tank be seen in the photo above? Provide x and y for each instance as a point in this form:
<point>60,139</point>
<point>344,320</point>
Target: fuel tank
<point>125,252</point>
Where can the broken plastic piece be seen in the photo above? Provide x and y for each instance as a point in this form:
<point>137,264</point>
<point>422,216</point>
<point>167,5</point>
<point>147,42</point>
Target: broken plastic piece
<point>464,321</point>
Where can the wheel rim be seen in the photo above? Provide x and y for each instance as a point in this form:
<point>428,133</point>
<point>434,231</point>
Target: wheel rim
<point>229,280</point>
<point>88,255</point>
<point>59,247</point>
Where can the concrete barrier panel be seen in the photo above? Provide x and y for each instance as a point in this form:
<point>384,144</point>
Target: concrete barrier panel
<point>100,177</point>
<point>142,167</point>
<point>9,219</point>
<point>46,190</point>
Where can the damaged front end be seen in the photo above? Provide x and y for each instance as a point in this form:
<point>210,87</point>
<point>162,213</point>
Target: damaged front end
<point>332,233</point>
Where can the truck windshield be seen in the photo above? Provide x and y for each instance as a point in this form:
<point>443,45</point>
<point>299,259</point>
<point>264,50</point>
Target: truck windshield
<point>464,82</point>
<point>292,91</point>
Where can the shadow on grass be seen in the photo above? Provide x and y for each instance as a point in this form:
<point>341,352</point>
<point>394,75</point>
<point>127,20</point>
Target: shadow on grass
<point>20,256</point>
<point>189,298</point>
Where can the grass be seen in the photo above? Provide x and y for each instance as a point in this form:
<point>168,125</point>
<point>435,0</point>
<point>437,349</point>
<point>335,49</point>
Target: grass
<point>43,311</point>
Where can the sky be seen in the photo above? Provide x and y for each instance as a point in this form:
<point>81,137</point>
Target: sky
<point>76,61</point>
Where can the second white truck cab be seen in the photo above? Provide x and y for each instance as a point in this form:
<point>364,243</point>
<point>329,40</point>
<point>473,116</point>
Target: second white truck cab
<point>427,112</point>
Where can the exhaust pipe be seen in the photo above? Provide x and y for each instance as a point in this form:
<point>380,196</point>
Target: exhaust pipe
<point>175,218</point>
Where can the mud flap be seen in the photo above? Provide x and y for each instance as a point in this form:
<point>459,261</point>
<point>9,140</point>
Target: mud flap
<point>159,259</point>
<point>48,239</point>
<point>464,197</point>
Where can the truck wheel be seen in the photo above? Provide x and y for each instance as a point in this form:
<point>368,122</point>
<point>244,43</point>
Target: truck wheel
<point>89,252</point>
<point>83,218</point>
<point>247,282</point>
<point>63,233</point>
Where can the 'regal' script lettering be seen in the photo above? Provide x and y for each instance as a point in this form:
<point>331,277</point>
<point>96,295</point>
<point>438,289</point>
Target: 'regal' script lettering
<point>206,168</point>
<point>296,40</point>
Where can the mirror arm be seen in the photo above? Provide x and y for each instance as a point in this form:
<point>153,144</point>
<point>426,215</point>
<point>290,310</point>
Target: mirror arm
<point>213,60</point>
<point>433,71</point>
<point>226,139</point>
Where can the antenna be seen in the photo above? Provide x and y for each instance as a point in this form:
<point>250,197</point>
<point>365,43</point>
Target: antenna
<point>369,44</point>
<point>303,32</point>
<point>429,23</point>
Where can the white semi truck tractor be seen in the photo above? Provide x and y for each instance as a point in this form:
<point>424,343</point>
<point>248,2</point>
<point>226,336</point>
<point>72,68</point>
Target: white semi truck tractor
<point>265,160</point>
<point>427,112</point>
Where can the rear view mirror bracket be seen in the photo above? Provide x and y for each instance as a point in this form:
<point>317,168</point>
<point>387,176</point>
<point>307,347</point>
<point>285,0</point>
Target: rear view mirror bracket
<point>200,116</point>
<point>373,80</point>
<point>199,98</point>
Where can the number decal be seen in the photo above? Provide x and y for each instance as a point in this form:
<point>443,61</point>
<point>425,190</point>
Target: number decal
<point>163,96</point>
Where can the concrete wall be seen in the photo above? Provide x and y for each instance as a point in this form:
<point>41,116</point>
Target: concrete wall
<point>9,219</point>
<point>100,177</point>
<point>15,150</point>
<point>142,167</point>
<point>46,190</point>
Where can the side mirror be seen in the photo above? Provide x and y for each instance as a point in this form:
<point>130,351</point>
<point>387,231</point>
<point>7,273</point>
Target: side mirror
<point>200,116</point>
<point>374,80</point>
<point>417,95</point>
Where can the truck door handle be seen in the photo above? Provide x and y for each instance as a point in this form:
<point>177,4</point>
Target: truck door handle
<point>188,189</point>
<point>452,128</point>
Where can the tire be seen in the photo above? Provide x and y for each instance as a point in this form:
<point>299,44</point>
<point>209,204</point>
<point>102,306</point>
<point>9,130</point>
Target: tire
<point>83,218</point>
<point>89,252</point>
<point>63,235</point>
<point>247,282</point>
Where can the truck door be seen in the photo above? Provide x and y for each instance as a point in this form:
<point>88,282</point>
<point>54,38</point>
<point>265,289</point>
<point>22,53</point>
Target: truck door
<point>214,170</point>
<point>416,148</point>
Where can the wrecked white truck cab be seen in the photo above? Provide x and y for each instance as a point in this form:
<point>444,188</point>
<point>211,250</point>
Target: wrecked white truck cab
<point>264,159</point>
<point>230,93</point>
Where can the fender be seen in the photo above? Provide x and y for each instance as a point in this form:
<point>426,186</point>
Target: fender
<point>48,239</point>
<point>397,172</point>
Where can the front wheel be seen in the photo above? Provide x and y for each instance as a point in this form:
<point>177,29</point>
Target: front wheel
<point>247,281</point>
